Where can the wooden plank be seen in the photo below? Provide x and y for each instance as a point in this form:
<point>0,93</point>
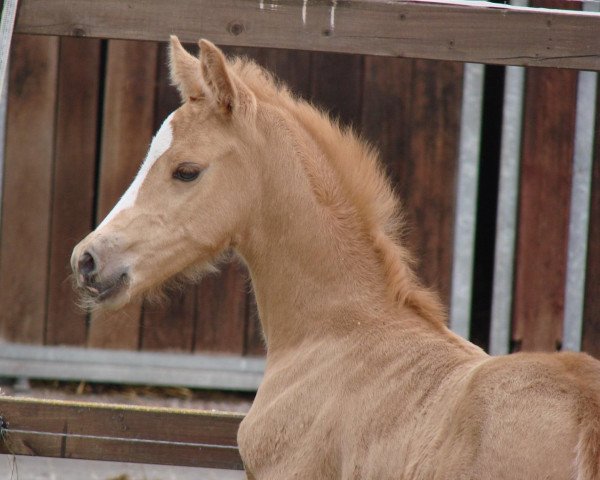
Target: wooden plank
<point>462,31</point>
<point>128,121</point>
<point>119,433</point>
<point>74,172</point>
<point>411,111</point>
<point>546,168</point>
<point>336,83</point>
<point>170,325</point>
<point>293,67</point>
<point>544,197</point>
<point>591,311</point>
<point>221,311</point>
<point>27,188</point>
<point>167,96</point>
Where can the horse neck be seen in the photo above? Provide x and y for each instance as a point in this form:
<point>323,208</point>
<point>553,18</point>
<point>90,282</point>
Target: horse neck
<point>311,277</point>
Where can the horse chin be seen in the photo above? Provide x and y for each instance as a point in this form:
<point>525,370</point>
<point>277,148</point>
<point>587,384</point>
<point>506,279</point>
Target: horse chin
<point>116,301</point>
<point>162,293</point>
<point>108,294</point>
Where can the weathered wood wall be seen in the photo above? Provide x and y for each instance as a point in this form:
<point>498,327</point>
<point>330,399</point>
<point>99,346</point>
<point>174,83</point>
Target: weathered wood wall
<point>121,433</point>
<point>544,201</point>
<point>81,114</point>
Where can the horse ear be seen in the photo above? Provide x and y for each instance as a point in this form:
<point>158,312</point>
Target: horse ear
<point>229,92</point>
<point>184,69</point>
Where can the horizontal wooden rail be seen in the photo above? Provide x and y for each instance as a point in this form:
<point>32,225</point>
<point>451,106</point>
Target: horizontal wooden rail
<point>479,32</point>
<point>119,433</point>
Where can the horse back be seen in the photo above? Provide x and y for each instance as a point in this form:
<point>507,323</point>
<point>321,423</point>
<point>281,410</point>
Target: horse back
<point>527,416</point>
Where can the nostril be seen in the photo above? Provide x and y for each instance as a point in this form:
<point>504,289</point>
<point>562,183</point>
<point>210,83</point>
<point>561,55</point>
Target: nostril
<point>86,264</point>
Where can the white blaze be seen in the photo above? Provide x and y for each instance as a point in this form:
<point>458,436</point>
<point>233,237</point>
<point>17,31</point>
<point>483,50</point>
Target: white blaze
<point>160,144</point>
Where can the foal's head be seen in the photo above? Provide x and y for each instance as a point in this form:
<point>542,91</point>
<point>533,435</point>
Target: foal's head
<point>193,192</point>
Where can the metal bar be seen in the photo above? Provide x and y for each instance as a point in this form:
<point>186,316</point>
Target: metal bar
<point>466,200</point>
<point>138,441</point>
<point>7,24</point>
<point>583,158</point>
<point>506,221</point>
<point>480,32</point>
<point>3,112</point>
<point>146,368</point>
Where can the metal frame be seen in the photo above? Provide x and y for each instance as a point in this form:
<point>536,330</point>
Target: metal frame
<point>144,368</point>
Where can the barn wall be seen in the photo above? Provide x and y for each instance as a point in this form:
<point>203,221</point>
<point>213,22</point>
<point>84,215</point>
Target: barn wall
<point>81,114</point>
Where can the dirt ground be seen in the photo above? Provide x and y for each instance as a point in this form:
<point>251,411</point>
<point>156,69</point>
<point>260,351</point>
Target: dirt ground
<point>37,468</point>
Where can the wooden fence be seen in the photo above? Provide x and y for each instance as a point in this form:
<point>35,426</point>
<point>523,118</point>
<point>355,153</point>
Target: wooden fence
<point>79,124</point>
<point>81,113</point>
<point>497,168</point>
<point>120,433</point>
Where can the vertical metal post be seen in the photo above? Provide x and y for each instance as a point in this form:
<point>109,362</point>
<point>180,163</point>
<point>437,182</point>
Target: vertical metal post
<point>583,157</point>
<point>506,220</point>
<point>466,199</point>
<point>508,199</point>
<point>3,110</point>
<point>7,24</point>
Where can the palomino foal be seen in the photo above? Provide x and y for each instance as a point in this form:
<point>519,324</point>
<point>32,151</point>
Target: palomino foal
<point>363,379</point>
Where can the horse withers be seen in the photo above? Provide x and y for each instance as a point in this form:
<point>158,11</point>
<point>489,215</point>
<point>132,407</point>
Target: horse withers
<point>363,379</point>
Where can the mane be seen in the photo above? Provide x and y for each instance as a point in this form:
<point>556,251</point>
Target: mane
<point>363,184</point>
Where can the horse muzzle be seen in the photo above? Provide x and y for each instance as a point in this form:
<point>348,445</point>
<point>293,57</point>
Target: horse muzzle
<point>98,278</point>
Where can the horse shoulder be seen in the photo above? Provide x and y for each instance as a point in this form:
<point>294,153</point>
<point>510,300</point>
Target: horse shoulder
<point>331,409</point>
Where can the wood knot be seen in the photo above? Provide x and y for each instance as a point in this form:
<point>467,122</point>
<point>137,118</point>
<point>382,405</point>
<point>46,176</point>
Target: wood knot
<point>235,28</point>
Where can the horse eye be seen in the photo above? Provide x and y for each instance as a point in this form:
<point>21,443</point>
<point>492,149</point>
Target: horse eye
<point>187,172</point>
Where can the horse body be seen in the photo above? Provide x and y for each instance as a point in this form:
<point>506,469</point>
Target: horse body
<point>357,406</point>
<point>363,379</point>
<point>362,410</point>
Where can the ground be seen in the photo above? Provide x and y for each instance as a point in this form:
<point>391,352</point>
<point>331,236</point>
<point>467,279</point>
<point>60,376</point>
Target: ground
<point>38,468</point>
